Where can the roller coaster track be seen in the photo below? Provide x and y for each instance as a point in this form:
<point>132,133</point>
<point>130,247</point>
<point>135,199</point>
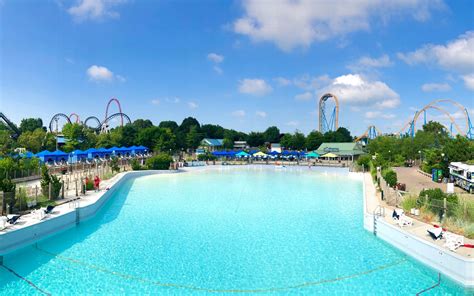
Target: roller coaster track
<point>107,109</point>
<point>411,124</point>
<point>105,124</point>
<point>333,123</point>
<point>78,120</point>
<point>370,133</point>
<point>56,119</point>
<point>94,127</point>
<point>11,125</point>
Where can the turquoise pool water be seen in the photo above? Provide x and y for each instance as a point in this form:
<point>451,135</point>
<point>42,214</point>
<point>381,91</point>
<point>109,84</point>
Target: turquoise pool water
<point>246,230</point>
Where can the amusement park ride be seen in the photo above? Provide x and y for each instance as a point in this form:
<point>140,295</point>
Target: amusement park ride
<point>91,122</point>
<point>330,121</point>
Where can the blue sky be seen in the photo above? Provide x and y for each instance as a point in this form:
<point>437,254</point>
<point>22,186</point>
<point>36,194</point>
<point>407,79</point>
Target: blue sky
<point>245,65</point>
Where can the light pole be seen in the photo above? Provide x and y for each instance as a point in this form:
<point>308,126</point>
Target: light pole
<point>421,157</point>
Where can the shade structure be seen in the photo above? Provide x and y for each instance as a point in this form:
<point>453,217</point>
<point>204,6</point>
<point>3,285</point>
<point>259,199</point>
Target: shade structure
<point>242,154</point>
<point>260,154</point>
<point>312,155</point>
<point>27,154</point>
<point>77,155</point>
<point>330,155</point>
<point>274,153</point>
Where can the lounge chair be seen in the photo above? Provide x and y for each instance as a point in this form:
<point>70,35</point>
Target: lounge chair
<point>435,233</point>
<point>453,241</point>
<point>49,209</point>
<point>3,223</point>
<point>39,214</point>
<point>405,221</point>
<point>397,213</point>
<point>12,219</point>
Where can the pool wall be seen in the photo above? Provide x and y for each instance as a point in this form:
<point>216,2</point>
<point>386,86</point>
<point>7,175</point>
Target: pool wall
<point>68,216</point>
<point>459,268</point>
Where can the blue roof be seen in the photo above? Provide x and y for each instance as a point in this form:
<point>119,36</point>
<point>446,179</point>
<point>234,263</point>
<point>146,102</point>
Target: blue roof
<point>58,153</point>
<point>90,150</point>
<point>44,152</point>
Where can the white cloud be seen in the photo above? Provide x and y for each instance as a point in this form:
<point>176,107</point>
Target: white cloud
<point>378,114</point>
<point>256,87</point>
<point>290,24</point>
<point>174,100</point>
<point>365,63</point>
<point>94,9</point>
<point>218,70</point>
<point>456,56</point>
<point>261,114</point>
<point>293,123</point>
<point>155,102</point>
<point>282,81</point>
<point>304,96</point>
<point>216,58</point>
<point>192,105</point>
<point>99,73</point>
<point>308,82</point>
<point>238,113</point>
<point>429,87</point>
<point>356,89</point>
<point>468,81</point>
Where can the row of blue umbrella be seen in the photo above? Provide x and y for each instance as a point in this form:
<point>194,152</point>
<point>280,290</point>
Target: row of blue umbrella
<point>90,153</point>
<point>284,153</point>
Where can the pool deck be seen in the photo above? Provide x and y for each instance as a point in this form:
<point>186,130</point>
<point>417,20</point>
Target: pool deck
<point>415,241</point>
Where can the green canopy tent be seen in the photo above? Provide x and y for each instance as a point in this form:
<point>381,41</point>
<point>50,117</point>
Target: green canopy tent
<point>242,154</point>
<point>312,155</point>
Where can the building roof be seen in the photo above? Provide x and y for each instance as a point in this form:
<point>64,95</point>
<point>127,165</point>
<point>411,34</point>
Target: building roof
<point>212,142</point>
<point>340,149</point>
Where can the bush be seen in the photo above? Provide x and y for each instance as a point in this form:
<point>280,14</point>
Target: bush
<point>161,161</point>
<point>390,177</point>
<point>6,185</point>
<point>409,202</point>
<point>434,199</point>
<point>21,200</point>
<point>89,184</point>
<point>47,179</point>
<point>364,160</point>
<point>135,165</point>
<point>114,165</point>
<point>206,156</point>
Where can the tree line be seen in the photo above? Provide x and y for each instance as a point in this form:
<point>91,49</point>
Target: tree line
<point>167,136</point>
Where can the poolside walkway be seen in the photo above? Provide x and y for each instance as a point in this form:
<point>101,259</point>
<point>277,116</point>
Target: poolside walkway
<point>419,228</point>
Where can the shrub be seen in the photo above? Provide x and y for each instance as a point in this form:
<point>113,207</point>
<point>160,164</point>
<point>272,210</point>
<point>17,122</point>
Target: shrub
<point>135,165</point>
<point>114,165</point>
<point>21,200</point>
<point>364,160</point>
<point>6,185</point>
<point>434,199</point>
<point>469,231</point>
<point>206,156</point>
<point>161,161</point>
<point>89,184</point>
<point>390,177</point>
<point>47,179</point>
<point>409,202</point>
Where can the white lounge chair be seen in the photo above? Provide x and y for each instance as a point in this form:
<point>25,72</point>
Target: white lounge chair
<point>3,223</point>
<point>39,214</point>
<point>436,233</point>
<point>405,221</point>
<point>453,241</point>
<point>397,213</point>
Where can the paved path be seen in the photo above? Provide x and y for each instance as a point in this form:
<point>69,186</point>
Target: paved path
<point>416,181</point>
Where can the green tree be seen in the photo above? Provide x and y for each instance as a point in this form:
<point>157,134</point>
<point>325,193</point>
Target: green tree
<point>188,123</point>
<point>6,142</point>
<point>255,139</point>
<point>74,135</point>
<point>193,137</point>
<point>30,124</point>
<point>172,125</point>
<point>272,135</point>
<point>298,141</point>
<point>129,135</point>
<point>142,124</point>
<point>213,131</point>
<point>148,136</point>
<point>32,141</point>
<point>314,140</point>
<point>166,141</point>
<point>286,141</point>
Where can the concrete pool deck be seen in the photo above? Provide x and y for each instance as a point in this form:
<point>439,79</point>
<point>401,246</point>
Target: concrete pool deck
<point>415,240</point>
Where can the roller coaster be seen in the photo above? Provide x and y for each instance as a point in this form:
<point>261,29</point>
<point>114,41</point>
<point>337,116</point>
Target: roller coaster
<point>409,127</point>
<point>370,133</point>
<point>331,122</point>
<point>92,122</point>
<point>16,132</point>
